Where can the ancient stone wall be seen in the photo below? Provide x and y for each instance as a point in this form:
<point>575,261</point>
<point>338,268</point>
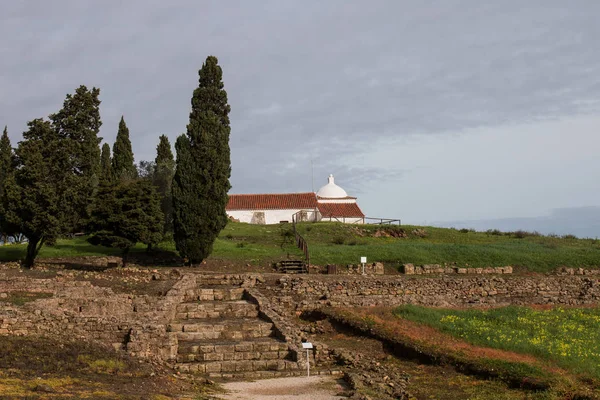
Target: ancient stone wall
<point>77,309</point>
<point>308,293</point>
<point>426,269</point>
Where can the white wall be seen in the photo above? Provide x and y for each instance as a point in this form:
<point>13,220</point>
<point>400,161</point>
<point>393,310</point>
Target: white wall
<point>323,200</point>
<point>271,216</point>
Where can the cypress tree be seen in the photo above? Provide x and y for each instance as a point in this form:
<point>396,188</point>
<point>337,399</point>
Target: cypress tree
<point>163,179</point>
<point>123,167</point>
<point>77,125</point>
<point>8,226</point>
<point>6,159</point>
<point>201,180</point>
<point>105,167</point>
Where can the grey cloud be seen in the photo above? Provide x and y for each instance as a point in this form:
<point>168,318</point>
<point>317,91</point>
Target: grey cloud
<point>320,79</point>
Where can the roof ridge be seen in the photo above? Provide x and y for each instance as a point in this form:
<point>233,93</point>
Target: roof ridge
<point>269,194</point>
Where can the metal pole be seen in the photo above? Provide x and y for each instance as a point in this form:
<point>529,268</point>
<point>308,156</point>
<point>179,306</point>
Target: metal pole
<point>307,364</point>
<point>363,265</point>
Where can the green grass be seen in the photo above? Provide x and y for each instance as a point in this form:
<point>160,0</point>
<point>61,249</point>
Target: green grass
<point>254,244</point>
<point>76,247</point>
<point>568,337</point>
<point>442,245</point>
<point>20,298</point>
<point>335,243</point>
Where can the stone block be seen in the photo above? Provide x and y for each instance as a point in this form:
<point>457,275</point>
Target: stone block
<point>243,347</point>
<point>408,269</point>
<point>204,349</point>
<point>212,357</point>
<point>213,367</point>
<point>244,365</point>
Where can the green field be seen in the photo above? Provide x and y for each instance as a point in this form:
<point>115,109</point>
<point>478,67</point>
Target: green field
<point>442,245</point>
<point>335,243</point>
<point>568,337</point>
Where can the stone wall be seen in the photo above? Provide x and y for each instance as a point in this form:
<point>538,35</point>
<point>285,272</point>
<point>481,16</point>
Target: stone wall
<point>410,269</point>
<point>135,324</point>
<point>304,293</point>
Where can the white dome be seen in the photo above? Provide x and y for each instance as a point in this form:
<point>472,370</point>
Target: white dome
<point>331,190</point>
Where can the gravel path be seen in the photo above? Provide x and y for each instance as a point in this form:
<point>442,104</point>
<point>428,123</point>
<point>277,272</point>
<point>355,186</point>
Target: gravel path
<point>294,388</point>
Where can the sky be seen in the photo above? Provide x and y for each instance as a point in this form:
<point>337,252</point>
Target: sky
<point>465,113</point>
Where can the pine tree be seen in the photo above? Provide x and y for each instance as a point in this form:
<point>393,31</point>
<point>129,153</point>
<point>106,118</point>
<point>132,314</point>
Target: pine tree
<point>8,226</point>
<point>43,193</point>
<point>123,167</point>
<point>106,174</point>
<point>125,214</point>
<point>201,180</point>
<point>163,179</point>
<point>78,124</point>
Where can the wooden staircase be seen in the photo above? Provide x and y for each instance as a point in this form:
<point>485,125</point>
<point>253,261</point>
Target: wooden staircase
<point>293,267</point>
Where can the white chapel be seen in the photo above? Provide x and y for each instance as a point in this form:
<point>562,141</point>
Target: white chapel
<point>329,203</point>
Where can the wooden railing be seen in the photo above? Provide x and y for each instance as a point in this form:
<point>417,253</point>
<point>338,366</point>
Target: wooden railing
<point>300,241</point>
<point>382,221</point>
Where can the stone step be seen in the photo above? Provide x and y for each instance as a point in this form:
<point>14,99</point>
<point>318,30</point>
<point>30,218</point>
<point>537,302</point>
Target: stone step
<point>214,293</point>
<point>218,346</point>
<point>235,329</point>
<point>252,375</point>
<point>227,351</point>
<point>237,366</point>
<point>233,356</point>
<point>216,309</point>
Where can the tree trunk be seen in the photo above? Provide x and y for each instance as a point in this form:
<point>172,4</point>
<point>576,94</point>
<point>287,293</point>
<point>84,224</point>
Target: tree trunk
<point>124,256</point>
<point>149,248</point>
<point>33,248</point>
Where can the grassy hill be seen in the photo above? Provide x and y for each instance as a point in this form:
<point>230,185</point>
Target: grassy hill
<point>335,243</point>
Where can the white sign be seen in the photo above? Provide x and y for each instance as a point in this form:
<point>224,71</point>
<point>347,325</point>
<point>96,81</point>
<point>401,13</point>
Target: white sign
<point>363,260</point>
<point>307,345</point>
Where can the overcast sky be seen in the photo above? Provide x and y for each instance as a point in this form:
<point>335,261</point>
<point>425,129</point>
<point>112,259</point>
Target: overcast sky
<point>435,112</point>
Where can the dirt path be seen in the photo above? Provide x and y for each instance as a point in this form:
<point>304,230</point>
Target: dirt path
<point>295,388</point>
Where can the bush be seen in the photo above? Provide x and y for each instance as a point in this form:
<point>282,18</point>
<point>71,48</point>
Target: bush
<point>494,232</point>
<point>338,240</point>
<point>229,236</point>
<point>521,234</point>
<point>569,236</point>
<point>241,245</point>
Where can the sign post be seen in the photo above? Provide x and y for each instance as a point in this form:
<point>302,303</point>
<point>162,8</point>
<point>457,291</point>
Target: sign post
<point>363,261</point>
<point>307,346</point>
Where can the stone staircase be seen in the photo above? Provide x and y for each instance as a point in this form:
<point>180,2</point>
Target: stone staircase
<point>221,334</point>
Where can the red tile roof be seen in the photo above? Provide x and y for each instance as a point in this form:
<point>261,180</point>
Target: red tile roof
<point>272,201</point>
<point>340,210</point>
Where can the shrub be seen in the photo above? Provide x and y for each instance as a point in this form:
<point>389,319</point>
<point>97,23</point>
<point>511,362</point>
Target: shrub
<point>241,245</point>
<point>465,230</point>
<point>229,236</point>
<point>494,232</point>
<point>569,236</point>
<point>338,240</point>
<point>520,234</point>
